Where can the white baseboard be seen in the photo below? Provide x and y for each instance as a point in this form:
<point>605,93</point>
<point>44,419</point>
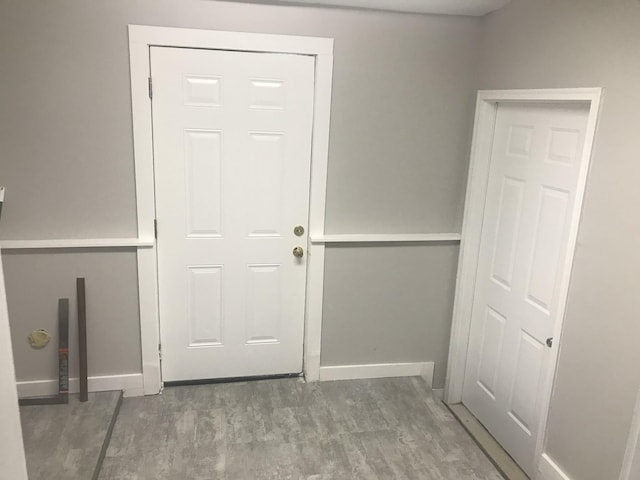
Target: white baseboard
<point>378,370</point>
<point>131,384</point>
<point>548,470</point>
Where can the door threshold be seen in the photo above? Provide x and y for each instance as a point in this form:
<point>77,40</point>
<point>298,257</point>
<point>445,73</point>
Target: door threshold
<point>507,467</point>
<point>207,381</point>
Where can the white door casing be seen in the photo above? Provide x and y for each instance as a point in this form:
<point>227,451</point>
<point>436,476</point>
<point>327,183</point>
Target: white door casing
<point>531,190</point>
<point>631,462</point>
<point>482,148</point>
<point>12,456</point>
<point>232,147</point>
<point>141,39</point>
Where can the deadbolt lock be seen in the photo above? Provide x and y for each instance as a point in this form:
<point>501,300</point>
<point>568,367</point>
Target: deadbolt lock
<point>298,230</point>
<point>298,252</point>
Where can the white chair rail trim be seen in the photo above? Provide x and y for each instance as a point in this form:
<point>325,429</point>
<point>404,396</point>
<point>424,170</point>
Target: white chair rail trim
<point>76,243</point>
<point>386,238</point>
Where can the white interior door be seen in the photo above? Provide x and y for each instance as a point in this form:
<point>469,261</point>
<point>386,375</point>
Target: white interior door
<point>531,190</point>
<point>232,153</point>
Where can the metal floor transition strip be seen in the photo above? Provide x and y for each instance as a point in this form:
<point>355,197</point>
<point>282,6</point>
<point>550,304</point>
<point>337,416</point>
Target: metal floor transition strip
<point>107,438</point>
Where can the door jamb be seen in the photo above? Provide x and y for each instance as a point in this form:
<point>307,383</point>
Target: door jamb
<point>141,38</point>
<point>486,111</point>
<point>631,461</point>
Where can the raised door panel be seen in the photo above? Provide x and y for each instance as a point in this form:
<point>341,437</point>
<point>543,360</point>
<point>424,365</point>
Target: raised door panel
<point>265,184</point>
<point>264,306</point>
<point>547,247</point>
<point>504,250</point>
<point>204,306</point>
<point>267,94</point>
<point>525,385</point>
<point>203,168</point>
<point>202,91</point>
<point>493,334</point>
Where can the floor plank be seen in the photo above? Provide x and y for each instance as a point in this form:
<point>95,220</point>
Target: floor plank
<point>65,441</point>
<point>287,429</point>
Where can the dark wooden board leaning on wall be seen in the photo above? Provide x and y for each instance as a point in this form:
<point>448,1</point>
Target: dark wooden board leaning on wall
<point>1,199</point>
<point>63,347</point>
<point>82,340</point>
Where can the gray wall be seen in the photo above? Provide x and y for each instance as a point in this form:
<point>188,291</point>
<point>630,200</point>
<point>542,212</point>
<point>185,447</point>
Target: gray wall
<point>374,296</point>
<point>402,112</point>
<point>35,282</point>
<point>585,43</point>
<point>402,98</point>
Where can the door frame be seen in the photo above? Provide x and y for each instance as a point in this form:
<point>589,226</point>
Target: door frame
<point>631,460</point>
<point>481,150</point>
<point>12,455</point>
<point>141,38</point>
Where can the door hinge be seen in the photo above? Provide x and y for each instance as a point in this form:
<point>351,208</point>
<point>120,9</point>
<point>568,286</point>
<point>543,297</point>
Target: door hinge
<point>160,351</point>
<point>150,88</point>
<point>155,228</point>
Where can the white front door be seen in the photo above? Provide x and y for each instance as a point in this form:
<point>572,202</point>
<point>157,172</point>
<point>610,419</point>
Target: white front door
<point>232,154</point>
<point>531,190</point>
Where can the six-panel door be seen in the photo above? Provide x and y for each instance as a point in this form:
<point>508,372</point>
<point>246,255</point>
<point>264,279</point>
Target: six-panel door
<point>232,153</point>
<point>535,165</point>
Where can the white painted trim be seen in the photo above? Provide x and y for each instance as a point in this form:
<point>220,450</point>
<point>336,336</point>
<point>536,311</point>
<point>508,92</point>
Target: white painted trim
<point>387,238</point>
<point>149,320</point>
<point>378,370</point>
<point>76,243</point>
<point>317,203</point>
<point>313,312</point>
<point>469,248</point>
<point>131,384</point>
<point>486,108</point>
<point>140,39</point>
<point>140,71</point>
<point>631,463</point>
<point>549,470</point>
<point>12,458</point>
<point>144,35</point>
<point>545,95</point>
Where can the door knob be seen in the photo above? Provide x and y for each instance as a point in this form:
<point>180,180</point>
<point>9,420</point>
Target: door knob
<point>550,342</point>
<point>298,252</point>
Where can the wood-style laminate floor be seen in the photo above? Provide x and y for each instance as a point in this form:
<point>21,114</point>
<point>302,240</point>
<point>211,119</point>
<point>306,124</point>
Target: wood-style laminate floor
<point>64,442</point>
<point>286,429</point>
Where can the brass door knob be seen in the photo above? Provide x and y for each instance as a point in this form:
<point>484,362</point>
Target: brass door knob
<point>298,252</point>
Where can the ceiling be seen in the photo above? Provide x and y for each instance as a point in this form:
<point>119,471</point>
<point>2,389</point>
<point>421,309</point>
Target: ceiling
<point>444,7</point>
